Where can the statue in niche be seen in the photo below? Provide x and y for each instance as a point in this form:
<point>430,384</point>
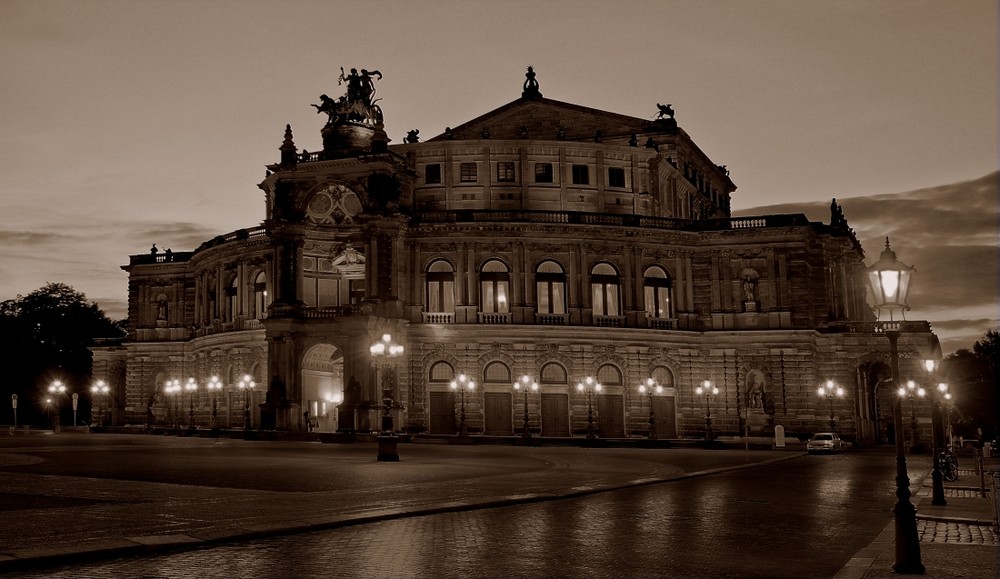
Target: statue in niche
<point>755,390</point>
<point>161,310</point>
<point>749,284</point>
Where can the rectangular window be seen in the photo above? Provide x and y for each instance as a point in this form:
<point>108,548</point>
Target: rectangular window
<point>616,177</point>
<point>505,172</point>
<point>467,173</point>
<point>543,172</point>
<point>581,175</point>
<point>432,174</point>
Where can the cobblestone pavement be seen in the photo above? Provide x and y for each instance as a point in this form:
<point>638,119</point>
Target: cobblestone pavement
<point>953,532</point>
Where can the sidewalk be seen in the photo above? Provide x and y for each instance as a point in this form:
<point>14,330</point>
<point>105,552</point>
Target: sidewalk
<point>959,539</point>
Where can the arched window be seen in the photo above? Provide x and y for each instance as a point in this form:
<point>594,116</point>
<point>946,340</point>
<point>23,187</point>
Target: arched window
<point>233,299</point>
<point>659,293</point>
<point>550,288</point>
<point>494,287</point>
<point>441,372</point>
<point>440,287</point>
<point>663,376</point>
<point>552,373</point>
<point>260,302</point>
<point>609,375</point>
<point>497,372</point>
<point>606,290</point>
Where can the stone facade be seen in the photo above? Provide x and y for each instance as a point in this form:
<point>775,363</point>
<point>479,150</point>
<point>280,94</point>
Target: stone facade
<point>543,239</point>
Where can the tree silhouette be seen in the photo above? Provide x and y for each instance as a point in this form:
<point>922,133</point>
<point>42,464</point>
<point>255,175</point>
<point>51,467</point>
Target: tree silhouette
<point>46,335</point>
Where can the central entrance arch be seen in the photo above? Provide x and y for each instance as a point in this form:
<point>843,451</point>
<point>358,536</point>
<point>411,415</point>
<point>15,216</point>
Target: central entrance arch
<point>322,387</point>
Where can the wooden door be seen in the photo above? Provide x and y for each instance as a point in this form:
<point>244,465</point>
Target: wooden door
<point>498,414</point>
<point>664,416</point>
<point>610,416</point>
<point>555,415</point>
<point>442,405</point>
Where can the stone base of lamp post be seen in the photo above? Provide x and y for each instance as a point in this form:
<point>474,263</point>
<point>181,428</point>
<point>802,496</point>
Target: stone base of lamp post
<point>388,448</point>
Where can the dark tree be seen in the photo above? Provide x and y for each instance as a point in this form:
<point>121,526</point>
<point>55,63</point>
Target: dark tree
<point>45,336</point>
<point>973,378</point>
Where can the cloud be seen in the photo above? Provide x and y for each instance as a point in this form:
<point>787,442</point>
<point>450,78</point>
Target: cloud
<point>949,233</point>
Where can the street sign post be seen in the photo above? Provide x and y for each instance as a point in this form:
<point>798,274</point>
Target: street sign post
<point>76,398</point>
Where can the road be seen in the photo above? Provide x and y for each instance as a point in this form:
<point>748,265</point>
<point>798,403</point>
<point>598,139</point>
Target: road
<point>801,517</point>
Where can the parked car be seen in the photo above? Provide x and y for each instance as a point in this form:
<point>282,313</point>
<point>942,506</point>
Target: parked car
<point>825,442</point>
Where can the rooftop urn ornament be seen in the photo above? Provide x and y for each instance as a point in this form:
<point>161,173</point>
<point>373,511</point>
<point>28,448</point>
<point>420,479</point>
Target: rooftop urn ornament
<point>530,85</point>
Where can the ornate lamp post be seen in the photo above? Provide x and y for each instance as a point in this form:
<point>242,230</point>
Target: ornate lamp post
<point>462,383</point>
<point>191,387</point>
<point>172,389</point>
<point>524,384</point>
<point>912,391</point>
<point>56,390</point>
<point>589,386</point>
<point>937,480</point>
<point>890,282</point>
<point>385,355</point>
<point>647,389</point>
<point>831,390</point>
<point>99,392</point>
<point>214,385</point>
<point>707,389</point>
<point>246,386</point>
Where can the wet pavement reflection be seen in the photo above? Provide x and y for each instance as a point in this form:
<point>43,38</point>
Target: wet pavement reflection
<point>803,517</point>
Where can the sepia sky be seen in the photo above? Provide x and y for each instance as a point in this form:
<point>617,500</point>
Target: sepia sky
<point>125,123</point>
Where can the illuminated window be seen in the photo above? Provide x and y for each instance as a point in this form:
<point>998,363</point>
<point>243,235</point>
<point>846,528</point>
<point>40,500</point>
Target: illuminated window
<point>550,288</point>
<point>440,287</point>
<point>606,290</point>
<point>494,287</point>
<point>658,291</point>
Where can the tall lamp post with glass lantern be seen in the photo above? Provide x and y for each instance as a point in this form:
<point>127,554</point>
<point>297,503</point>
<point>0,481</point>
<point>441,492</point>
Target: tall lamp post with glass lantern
<point>191,387</point>
<point>524,384</point>
<point>647,389</point>
<point>590,387</point>
<point>246,385</point>
<point>890,282</point>
<point>937,434</point>
<point>172,388</point>
<point>707,389</point>
<point>99,392</point>
<point>831,390</point>
<point>463,384</point>
<point>912,391</point>
<point>385,356</point>
<point>214,385</point>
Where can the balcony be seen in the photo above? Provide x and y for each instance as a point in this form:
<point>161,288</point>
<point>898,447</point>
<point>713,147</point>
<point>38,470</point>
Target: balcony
<point>438,317</point>
<point>662,323</point>
<point>493,318</point>
<point>609,321</point>
<point>552,319</point>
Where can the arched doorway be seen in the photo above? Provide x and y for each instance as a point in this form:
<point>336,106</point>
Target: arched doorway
<point>322,387</point>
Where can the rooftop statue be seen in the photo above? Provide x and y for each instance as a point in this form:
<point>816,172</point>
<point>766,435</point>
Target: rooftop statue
<point>358,105</point>
<point>665,111</point>
<point>530,84</point>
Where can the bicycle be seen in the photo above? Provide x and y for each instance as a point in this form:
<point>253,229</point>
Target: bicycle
<point>948,464</point>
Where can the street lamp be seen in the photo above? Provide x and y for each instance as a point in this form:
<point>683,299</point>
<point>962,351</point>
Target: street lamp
<point>648,388</point>
<point>246,386</point>
<point>463,384</point>
<point>937,479</point>
<point>590,387</point>
<point>56,390</point>
<point>214,385</point>
<point>191,387</point>
<point>385,355</point>
<point>890,282</point>
<point>99,391</point>
<point>524,384</point>
<point>912,391</point>
<point>830,390</point>
<point>172,388</point>
<point>707,389</point>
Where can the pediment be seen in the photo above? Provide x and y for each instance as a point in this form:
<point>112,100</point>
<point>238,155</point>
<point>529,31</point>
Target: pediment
<point>543,119</point>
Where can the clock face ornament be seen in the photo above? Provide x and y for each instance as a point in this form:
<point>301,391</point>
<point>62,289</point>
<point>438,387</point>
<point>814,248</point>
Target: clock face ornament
<point>335,204</point>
